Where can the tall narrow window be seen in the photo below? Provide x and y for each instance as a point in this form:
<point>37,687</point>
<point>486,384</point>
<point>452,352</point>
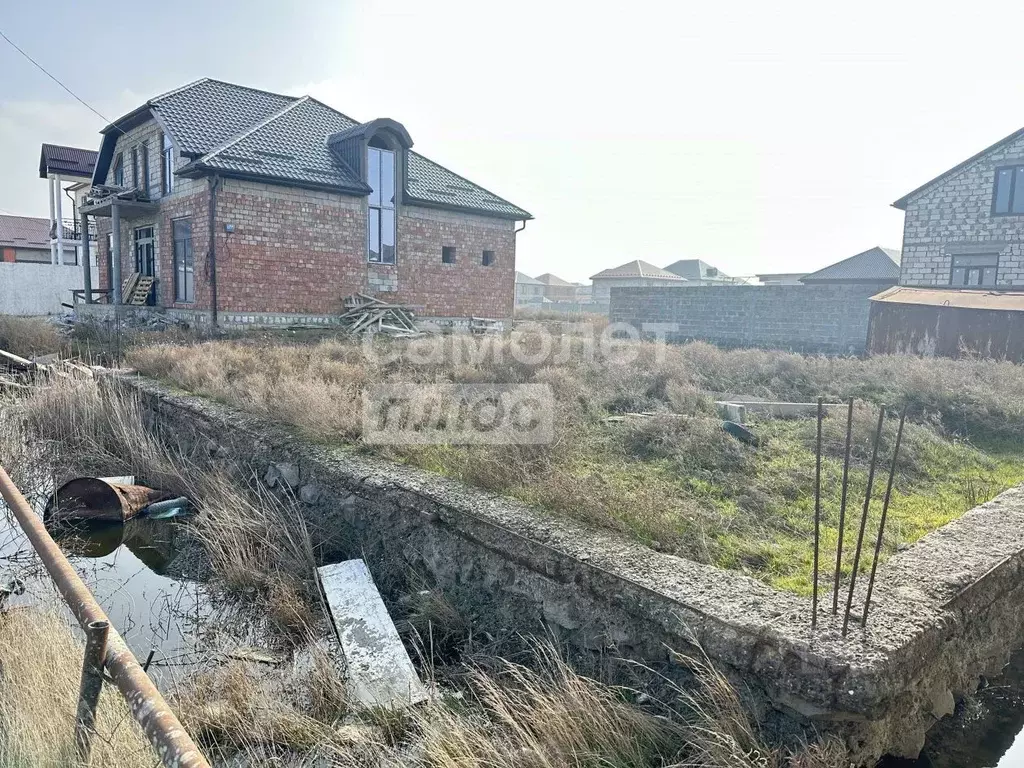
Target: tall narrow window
<point>380,221</point>
<point>1008,197</point>
<point>143,185</point>
<point>184,264</point>
<point>167,156</point>
<point>118,175</point>
<point>135,167</point>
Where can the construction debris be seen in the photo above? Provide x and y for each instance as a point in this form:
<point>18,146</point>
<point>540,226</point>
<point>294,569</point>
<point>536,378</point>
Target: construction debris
<point>366,314</point>
<point>20,373</point>
<point>94,499</point>
<point>379,671</point>
<point>483,325</point>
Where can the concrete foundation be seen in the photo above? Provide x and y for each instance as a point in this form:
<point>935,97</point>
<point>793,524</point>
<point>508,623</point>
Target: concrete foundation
<point>943,612</point>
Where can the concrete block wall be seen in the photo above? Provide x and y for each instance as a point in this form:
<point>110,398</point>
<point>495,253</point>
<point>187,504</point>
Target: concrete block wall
<point>954,217</point>
<point>830,319</point>
<point>36,289</point>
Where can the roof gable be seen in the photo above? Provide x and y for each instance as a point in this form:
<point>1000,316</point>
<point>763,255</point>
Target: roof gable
<point>638,268</point>
<point>903,201</point>
<point>549,279</point>
<point>696,269</point>
<point>523,279</point>
<point>873,265</point>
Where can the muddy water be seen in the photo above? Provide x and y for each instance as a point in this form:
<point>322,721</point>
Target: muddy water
<point>145,576</point>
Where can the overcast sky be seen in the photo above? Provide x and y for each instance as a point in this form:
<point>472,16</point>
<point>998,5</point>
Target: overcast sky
<point>760,137</point>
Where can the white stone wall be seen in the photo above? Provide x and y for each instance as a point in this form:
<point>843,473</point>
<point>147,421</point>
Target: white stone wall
<point>954,217</point>
<point>36,289</point>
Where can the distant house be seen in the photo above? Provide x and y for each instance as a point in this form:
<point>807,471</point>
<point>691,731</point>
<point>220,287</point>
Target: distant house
<point>781,278</point>
<point>697,272</point>
<point>529,292</point>
<point>875,266</point>
<point>964,227</point>
<point>557,289</point>
<point>632,274</point>
<point>69,173</point>
<point>27,239</point>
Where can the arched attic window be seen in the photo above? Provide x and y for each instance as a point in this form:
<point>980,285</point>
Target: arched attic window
<point>376,152</point>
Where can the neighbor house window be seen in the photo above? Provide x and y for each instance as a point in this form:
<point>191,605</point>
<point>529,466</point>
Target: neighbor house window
<point>1009,194</point>
<point>448,254</point>
<point>974,270</point>
<point>488,258</point>
<point>380,222</point>
<point>144,168</point>
<point>184,263</point>
<point>119,170</point>
<point>167,164</point>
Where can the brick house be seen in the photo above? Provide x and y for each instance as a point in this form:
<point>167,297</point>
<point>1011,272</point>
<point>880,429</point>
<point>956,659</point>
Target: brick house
<point>250,206</point>
<point>965,228</point>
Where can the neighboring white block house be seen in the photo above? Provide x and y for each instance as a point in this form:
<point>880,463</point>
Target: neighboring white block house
<point>965,227</point>
<point>69,173</point>
<point>633,274</point>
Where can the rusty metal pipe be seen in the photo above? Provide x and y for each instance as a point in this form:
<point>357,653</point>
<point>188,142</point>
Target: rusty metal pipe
<point>90,687</point>
<point>161,726</point>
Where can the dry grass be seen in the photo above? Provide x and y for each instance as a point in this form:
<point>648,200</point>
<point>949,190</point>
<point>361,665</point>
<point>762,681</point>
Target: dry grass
<point>29,336</point>
<point>40,666</point>
<point>676,480</point>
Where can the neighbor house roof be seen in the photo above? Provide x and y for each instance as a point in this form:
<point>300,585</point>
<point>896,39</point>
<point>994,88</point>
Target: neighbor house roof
<point>24,232</point>
<point>245,132</point>
<point>902,202</point>
<point>876,264</point>
<point>523,279</point>
<point>548,279</point>
<point>66,161</point>
<point>638,268</point>
<point>695,269</point>
<point>958,298</point>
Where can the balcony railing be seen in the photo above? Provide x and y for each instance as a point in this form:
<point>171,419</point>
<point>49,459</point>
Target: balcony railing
<point>73,229</point>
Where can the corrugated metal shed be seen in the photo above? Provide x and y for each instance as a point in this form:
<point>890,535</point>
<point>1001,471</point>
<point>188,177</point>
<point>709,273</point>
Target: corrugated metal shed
<point>947,323</point>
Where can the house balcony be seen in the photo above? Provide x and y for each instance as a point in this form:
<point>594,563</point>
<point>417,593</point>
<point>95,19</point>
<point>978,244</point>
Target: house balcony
<point>73,231</point>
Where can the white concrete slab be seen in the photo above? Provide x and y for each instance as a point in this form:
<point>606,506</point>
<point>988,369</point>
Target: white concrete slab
<point>379,671</point>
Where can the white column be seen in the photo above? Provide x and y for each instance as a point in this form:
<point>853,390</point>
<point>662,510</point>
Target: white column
<point>53,245</point>
<point>60,221</point>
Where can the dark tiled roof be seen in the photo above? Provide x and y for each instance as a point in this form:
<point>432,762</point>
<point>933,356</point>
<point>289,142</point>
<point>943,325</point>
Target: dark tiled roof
<point>24,232</point>
<point>207,113</point>
<point>876,265</point>
<point>275,148</point>
<point>250,132</point>
<point>638,268</point>
<point>67,161</point>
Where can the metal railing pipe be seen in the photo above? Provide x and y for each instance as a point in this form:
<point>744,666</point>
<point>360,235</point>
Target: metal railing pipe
<point>163,729</point>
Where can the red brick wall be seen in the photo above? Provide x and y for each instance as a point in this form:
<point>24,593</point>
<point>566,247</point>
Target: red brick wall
<point>299,251</point>
<point>466,287</point>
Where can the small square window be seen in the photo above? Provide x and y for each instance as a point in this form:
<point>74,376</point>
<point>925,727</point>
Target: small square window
<point>488,258</point>
<point>448,254</point>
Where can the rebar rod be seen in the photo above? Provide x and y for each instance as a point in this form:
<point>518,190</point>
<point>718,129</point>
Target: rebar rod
<point>863,520</point>
<point>842,508</point>
<point>817,518</point>
<point>161,726</point>
<point>90,687</point>
<point>885,512</point>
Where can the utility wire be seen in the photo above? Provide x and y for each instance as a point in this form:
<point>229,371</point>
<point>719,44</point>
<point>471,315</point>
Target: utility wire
<point>43,69</point>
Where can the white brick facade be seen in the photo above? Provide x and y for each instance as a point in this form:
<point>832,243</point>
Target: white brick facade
<point>953,217</point>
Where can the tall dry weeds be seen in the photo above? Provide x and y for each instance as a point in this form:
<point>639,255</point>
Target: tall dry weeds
<point>40,666</point>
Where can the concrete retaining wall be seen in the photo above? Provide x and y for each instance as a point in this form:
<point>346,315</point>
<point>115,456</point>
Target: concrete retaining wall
<point>807,318</point>
<point>36,289</point>
<point>943,612</point>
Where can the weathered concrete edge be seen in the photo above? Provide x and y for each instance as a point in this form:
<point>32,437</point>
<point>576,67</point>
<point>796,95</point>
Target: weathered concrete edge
<point>739,621</point>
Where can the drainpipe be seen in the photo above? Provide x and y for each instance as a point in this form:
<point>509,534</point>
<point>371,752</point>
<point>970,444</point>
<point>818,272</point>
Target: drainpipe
<point>86,266</point>
<point>214,184</point>
<point>519,229</point>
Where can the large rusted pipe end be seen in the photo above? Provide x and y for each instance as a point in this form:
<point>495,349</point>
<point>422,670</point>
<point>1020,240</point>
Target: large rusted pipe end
<point>91,499</point>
